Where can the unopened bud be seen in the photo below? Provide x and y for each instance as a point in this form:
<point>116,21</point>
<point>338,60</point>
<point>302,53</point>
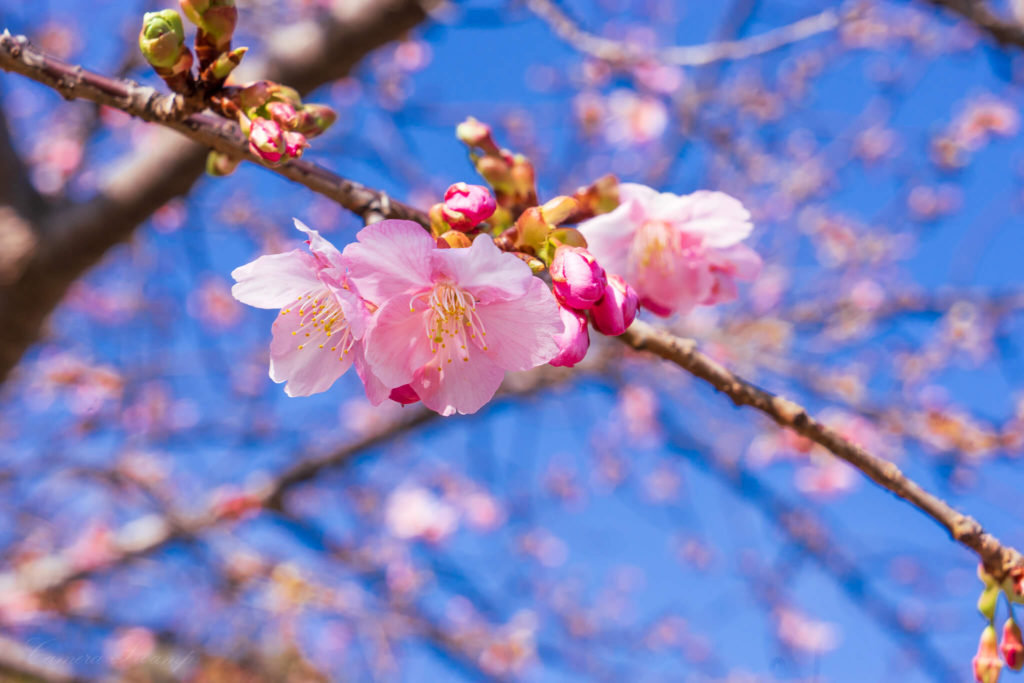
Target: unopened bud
<point>216,18</point>
<point>254,96</point>
<point>456,239</point>
<point>495,171</point>
<point>284,113</point>
<point>524,181</point>
<point>987,601</point>
<point>314,119</point>
<point>577,278</point>
<point>220,164</point>
<point>556,210</point>
<point>531,229</point>
<point>473,133</point>
<point>574,340</point>
<point>266,140</point>
<point>1012,647</point>
<point>616,310</point>
<point>466,206</point>
<point>226,63</point>
<point>162,38</point>
<point>986,662</point>
<point>294,143</point>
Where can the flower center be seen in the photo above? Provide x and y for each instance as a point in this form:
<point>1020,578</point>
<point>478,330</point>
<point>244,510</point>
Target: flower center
<point>659,245</point>
<point>451,322</point>
<point>322,322</point>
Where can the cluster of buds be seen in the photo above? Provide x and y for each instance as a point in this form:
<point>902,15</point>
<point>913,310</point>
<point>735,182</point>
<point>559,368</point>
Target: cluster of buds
<point>162,41</point>
<point>539,236</point>
<point>216,20</point>
<point>511,175</point>
<point>582,287</point>
<point>987,662</point>
<point>464,209</point>
<point>276,121</point>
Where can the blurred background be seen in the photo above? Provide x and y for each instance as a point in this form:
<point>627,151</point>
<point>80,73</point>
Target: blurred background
<point>617,521</point>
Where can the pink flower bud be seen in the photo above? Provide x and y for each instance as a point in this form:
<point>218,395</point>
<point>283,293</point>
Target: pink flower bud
<point>404,395</point>
<point>1012,647</point>
<point>294,143</point>
<point>579,281</point>
<point>986,662</point>
<point>466,206</point>
<point>266,140</point>
<point>574,341</point>
<point>617,308</point>
<point>476,134</point>
<point>284,114</point>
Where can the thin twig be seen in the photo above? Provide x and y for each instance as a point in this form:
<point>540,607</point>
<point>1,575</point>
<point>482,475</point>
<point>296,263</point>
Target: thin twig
<point>681,55</point>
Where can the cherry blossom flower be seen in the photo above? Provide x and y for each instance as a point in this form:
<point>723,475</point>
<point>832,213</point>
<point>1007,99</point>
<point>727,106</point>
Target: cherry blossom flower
<point>316,338</point>
<point>450,321</point>
<point>415,512</point>
<point>678,252</point>
<point>574,341</point>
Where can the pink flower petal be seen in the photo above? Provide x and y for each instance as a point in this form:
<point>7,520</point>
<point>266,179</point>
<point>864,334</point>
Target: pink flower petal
<point>307,370</point>
<point>276,280</point>
<point>397,343</point>
<point>610,235</point>
<point>326,252</point>
<point>460,386</point>
<point>483,269</point>
<point>521,333</point>
<point>376,391</point>
<point>720,219</point>
<point>390,258</point>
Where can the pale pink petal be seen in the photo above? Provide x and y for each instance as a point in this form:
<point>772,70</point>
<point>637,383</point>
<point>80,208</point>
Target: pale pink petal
<point>352,305</point>
<point>610,235</point>
<point>647,196</point>
<point>720,219</point>
<point>460,386</point>
<point>307,364</point>
<point>484,270</point>
<point>397,342</point>
<point>275,280</point>
<point>521,333</point>
<point>390,258</point>
<point>678,288</point>
<point>328,254</point>
<point>743,262</point>
<point>376,391</point>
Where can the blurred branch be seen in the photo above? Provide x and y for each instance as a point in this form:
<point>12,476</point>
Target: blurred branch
<point>977,12</point>
<point>998,559</point>
<point>681,55</point>
<point>165,168</point>
<point>19,662</point>
<point>809,535</point>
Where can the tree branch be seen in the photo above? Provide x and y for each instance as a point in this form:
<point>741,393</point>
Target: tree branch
<point>998,559</point>
<point>1004,31</point>
<point>681,55</point>
<point>78,236</point>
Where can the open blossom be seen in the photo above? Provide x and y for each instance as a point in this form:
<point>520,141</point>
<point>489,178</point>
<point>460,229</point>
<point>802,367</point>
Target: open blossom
<point>678,252</point>
<point>317,336</point>
<point>450,322</point>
